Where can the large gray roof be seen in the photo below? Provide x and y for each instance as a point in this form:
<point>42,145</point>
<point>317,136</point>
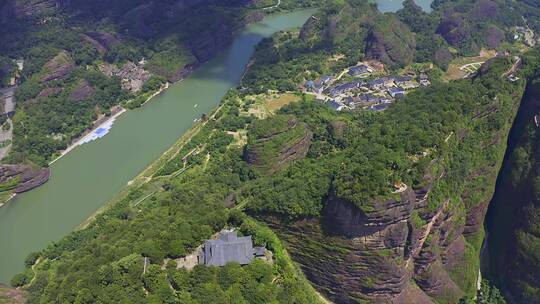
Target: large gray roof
<point>228,248</point>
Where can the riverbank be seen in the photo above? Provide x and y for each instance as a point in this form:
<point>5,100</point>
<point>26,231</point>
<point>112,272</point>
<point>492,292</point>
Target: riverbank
<point>147,174</point>
<point>98,173</point>
<point>104,121</point>
<point>100,122</point>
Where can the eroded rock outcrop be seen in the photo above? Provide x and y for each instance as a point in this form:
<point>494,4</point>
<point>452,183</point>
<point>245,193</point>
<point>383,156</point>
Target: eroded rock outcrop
<point>133,76</point>
<point>391,42</point>
<point>102,41</point>
<point>276,142</point>
<point>58,68</point>
<point>22,178</point>
<point>400,252</point>
<point>83,90</point>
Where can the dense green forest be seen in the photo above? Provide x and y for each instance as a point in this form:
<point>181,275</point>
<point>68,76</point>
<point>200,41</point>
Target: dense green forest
<point>447,140</point>
<point>358,31</point>
<point>67,46</point>
<point>104,261</point>
<point>512,253</point>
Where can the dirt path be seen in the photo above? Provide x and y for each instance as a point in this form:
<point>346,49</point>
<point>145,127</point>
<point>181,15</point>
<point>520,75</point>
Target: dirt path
<point>513,69</point>
<point>425,235</point>
<point>274,6</point>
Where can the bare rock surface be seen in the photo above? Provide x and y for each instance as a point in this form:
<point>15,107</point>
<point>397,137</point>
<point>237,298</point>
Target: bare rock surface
<point>133,75</point>
<point>28,176</point>
<point>82,91</point>
<point>59,67</point>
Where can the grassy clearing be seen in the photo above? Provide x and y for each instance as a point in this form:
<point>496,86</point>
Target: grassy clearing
<point>281,101</point>
<point>454,69</point>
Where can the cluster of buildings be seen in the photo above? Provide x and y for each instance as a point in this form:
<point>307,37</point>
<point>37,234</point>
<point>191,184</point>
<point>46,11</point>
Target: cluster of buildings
<point>367,92</point>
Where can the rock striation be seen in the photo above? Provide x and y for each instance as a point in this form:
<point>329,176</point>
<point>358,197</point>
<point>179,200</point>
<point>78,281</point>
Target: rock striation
<point>22,178</point>
<point>413,244</point>
<point>82,91</point>
<point>58,68</point>
<point>282,141</point>
<point>133,76</point>
<point>401,252</point>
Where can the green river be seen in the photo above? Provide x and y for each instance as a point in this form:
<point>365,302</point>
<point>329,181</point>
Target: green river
<point>93,173</point>
<point>90,175</point>
<point>393,5</point>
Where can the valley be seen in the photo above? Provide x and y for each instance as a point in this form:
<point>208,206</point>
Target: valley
<point>361,146</point>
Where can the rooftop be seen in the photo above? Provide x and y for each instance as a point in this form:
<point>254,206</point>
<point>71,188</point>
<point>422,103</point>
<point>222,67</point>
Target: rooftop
<point>228,248</point>
<point>402,78</point>
<point>359,70</point>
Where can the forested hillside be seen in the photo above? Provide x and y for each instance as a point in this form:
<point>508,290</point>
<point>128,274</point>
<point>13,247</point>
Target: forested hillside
<point>512,253</point>
<point>372,207</point>
<point>319,205</point>
<point>354,30</point>
<point>81,58</point>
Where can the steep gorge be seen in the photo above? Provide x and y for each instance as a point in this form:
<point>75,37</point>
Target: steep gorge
<point>512,248</point>
<point>421,243</point>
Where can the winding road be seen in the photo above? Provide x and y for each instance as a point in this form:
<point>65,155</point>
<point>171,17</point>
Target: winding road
<point>273,6</point>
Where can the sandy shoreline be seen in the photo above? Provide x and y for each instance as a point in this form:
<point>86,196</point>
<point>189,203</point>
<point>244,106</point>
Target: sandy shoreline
<point>115,113</point>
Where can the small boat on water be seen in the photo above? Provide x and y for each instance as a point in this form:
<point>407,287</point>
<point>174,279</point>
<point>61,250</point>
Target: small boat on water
<point>196,105</point>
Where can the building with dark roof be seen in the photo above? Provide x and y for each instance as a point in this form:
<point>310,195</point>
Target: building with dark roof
<point>360,70</point>
<point>405,82</point>
<point>379,107</point>
<point>376,83</point>
<point>326,79</point>
<point>396,92</point>
<point>229,247</point>
<point>346,87</point>
<point>368,98</point>
<point>402,79</point>
<point>336,105</point>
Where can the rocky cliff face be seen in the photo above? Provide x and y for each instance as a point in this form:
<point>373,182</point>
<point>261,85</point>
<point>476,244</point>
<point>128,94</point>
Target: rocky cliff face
<point>58,68</point>
<point>512,255</point>
<point>402,252</point>
<point>391,42</point>
<point>417,245</point>
<point>22,178</point>
<point>287,141</point>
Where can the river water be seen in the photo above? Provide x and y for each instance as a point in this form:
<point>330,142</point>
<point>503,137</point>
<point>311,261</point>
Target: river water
<point>91,174</point>
<point>393,5</point>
